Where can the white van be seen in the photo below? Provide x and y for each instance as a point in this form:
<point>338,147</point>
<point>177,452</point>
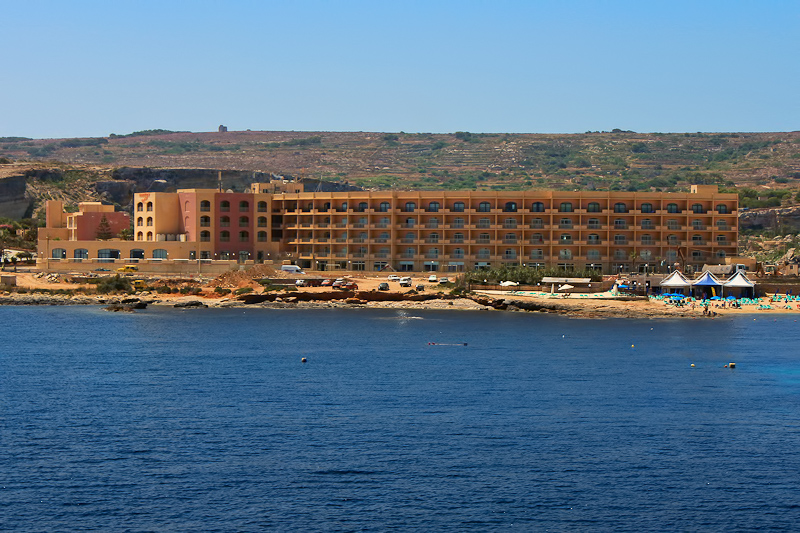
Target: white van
<point>294,269</point>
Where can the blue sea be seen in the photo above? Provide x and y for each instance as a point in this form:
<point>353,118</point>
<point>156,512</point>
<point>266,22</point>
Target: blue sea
<point>207,420</point>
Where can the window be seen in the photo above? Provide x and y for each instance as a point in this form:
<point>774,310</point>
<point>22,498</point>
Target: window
<point>593,207</point>
<point>565,223</point>
<point>262,207</point>
<point>326,207</point>
<point>149,206</point>
<point>343,207</point>
<point>160,253</point>
<point>458,237</point>
<point>620,239</point>
<point>140,221</point>
<point>140,206</point>
<point>149,235</point>
<point>483,253</point>
<point>565,207</point>
<point>458,207</point>
<point>647,239</point>
<point>647,224</point>
<point>510,207</point>
<point>593,255</point>
<point>672,255</point>
<point>433,237</point>
<point>383,237</point>
<point>510,238</point>
<point>672,240</point>
<point>59,253</point>
<point>108,253</point>
<point>721,254</point>
<point>262,236</point>
<point>722,225</point>
<point>509,253</point>
<point>697,255</point>
<point>620,254</point>
<point>537,254</point>
<point>224,221</point>
<point>458,253</point>
<point>698,208</point>
<point>205,205</point>
<point>510,223</point>
<point>244,236</point>
<point>565,254</point>
<point>483,238</point>
<point>244,205</point>
<point>593,238</point>
<point>620,207</point>
<point>722,209</point>
<point>620,223</point>
<point>536,238</point>
<point>433,223</point>
<point>225,236</point>
<point>722,239</point>
<point>362,206</point>
<point>537,207</point>
<point>647,208</point>
<point>149,221</point>
<point>565,238</point>
<point>647,255</point>
<point>698,224</point>
<point>672,208</point>
<point>484,207</point>
<point>383,207</point>
<point>673,224</point>
<point>484,223</point>
<point>81,253</point>
<point>205,221</point>
<point>410,222</point>
<point>433,207</point>
<point>262,222</point>
<point>244,222</point>
<point>697,238</point>
<point>139,236</point>
<point>458,222</point>
<point>594,223</point>
<point>410,207</point>
<point>224,205</point>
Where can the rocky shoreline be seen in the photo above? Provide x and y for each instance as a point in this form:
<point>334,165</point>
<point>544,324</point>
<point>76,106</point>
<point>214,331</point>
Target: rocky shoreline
<point>365,300</point>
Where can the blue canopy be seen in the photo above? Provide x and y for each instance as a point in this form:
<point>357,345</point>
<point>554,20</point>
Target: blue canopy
<point>707,280</point>
<point>731,298</point>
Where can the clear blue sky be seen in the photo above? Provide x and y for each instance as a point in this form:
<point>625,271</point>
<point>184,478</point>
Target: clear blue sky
<point>90,68</point>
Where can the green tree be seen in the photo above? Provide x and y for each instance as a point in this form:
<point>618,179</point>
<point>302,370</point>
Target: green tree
<point>104,230</point>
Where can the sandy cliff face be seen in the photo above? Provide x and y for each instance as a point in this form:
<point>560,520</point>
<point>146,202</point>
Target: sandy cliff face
<point>14,202</point>
<point>787,218</point>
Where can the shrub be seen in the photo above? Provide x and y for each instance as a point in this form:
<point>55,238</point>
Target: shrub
<point>220,290</point>
<point>111,284</point>
<point>243,290</point>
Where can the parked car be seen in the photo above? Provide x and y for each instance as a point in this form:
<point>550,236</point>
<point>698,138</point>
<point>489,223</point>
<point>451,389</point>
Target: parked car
<point>128,268</point>
<point>383,286</point>
<point>301,283</point>
<point>350,286</point>
<point>442,281</point>
<point>405,282</point>
<point>102,270</point>
<point>420,287</point>
<point>432,278</point>
<point>338,284</point>
<point>326,283</point>
<point>393,277</point>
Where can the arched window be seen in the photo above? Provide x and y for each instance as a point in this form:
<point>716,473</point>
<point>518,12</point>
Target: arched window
<point>483,253</point>
<point>81,253</point>
<point>205,236</point>
<point>160,253</point>
<point>697,224</point>
<point>537,207</point>
<point>593,255</point>
<point>244,222</point>
<point>721,254</point>
<point>594,223</point>
<point>537,223</point>
<point>620,223</point>
<point>484,223</point>
<point>149,206</point>
<point>565,207</point>
<point>149,235</point>
<point>510,207</point>
<point>565,238</point>
<point>58,253</point>
<point>536,238</point>
<point>108,253</point>
<point>672,208</point>
<point>458,253</point>
<point>722,209</point>
<point>698,208</point>
<point>510,223</point>
<point>509,253</point>
<point>722,225</point>
<point>326,207</point>
<point>362,206</point>
<point>137,253</point>
<point>383,237</point>
<point>149,221</point>
<point>410,207</point>
<point>262,207</point>
<point>244,205</point>
<point>205,221</point>
<point>224,221</point>
<point>593,238</point>
<point>565,223</point>
<point>433,237</point>
<point>620,239</point>
<point>620,254</point>
<point>384,207</point>
<point>262,222</point>
<point>410,236</point>
<point>565,254</point>
<point>139,236</point>
<point>697,238</point>
<point>483,238</point>
<point>186,205</point>
<point>225,255</point>
<point>343,207</point>
<point>205,205</point>
<point>593,207</point>
<point>620,207</point>
<point>458,222</point>
<point>140,221</point>
<point>647,239</point>
<point>647,208</point>
<point>262,236</point>
<point>647,224</point>
<point>457,237</point>
<point>224,205</point>
<point>537,254</point>
<point>510,238</point>
<point>433,207</point>
<point>484,207</point>
<point>140,206</point>
<point>647,255</point>
<point>458,207</point>
<point>244,236</point>
<point>225,236</point>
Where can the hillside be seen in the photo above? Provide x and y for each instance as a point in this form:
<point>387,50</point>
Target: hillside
<point>767,162</point>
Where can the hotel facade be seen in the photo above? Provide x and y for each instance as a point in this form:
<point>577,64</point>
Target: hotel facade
<point>449,231</point>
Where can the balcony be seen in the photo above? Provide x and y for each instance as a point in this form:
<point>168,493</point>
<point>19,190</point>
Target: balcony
<point>565,226</point>
<point>699,227</point>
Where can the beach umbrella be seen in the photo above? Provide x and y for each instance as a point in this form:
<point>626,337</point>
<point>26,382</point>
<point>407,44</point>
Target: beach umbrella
<point>731,298</point>
<point>565,286</point>
<point>715,298</point>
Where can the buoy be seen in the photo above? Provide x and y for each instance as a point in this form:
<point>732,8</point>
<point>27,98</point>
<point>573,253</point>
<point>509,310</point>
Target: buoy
<point>726,366</point>
<point>631,345</point>
<point>303,360</point>
<point>731,365</point>
<point>692,365</point>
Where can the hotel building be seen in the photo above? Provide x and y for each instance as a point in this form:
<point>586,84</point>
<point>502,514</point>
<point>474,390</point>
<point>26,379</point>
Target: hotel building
<point>418,231</point>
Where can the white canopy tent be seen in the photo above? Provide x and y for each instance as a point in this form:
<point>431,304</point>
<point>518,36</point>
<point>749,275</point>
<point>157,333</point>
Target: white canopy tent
<point>740,281</point>
<point>676,280</point>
